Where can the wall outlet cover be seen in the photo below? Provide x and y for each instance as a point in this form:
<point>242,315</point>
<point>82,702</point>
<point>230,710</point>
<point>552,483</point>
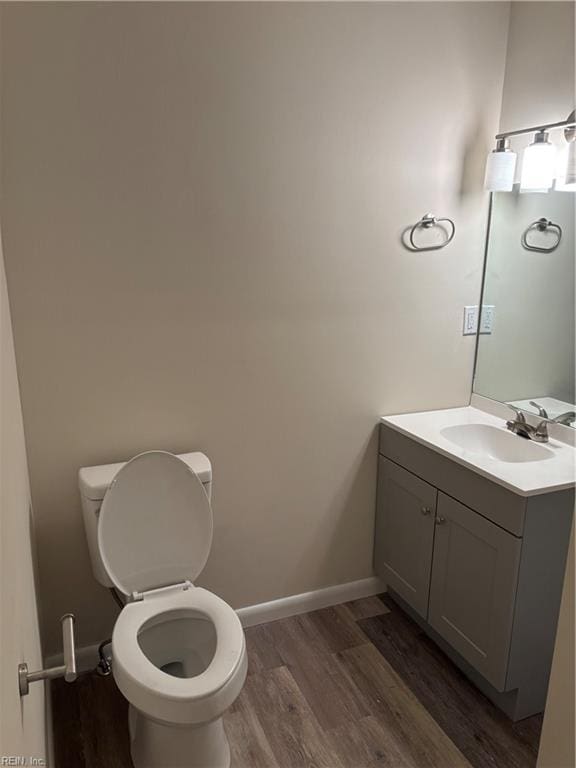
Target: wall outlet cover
<point>487,318</point>
<point>470,324</point>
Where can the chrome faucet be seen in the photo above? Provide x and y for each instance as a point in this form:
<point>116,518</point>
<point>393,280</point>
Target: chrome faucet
<point>519,426</point>
<point>564,418</point>
<point>541,411</point>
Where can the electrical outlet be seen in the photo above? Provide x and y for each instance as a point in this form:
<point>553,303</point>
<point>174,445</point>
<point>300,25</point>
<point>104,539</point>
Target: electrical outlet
<point>470,325</point>
<point>487,318</point>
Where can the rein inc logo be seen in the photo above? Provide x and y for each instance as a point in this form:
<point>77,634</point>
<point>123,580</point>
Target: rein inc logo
<point>21,760</point>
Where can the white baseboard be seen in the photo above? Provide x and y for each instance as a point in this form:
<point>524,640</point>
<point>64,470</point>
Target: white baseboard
<point>251,615</point>
<point>309,601</point>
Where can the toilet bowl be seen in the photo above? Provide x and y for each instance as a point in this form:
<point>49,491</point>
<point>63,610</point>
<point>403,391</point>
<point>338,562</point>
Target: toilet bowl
<point>179,654</point>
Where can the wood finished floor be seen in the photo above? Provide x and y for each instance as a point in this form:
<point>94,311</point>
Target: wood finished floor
<point>353,686</point>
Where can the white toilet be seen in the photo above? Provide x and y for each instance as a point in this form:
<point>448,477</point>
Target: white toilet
<point>179,654</point>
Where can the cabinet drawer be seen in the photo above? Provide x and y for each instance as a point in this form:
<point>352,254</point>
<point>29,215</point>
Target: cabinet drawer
<point>404,533</point>
<point>473,587</point>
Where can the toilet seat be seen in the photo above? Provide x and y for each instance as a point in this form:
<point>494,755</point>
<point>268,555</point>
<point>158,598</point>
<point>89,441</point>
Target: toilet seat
<point>160,695</point>
<point>154,537</point>
<point>155,524</point>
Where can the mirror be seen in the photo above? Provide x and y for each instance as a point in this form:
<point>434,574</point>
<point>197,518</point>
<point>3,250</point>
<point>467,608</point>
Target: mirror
<point>527,358</point>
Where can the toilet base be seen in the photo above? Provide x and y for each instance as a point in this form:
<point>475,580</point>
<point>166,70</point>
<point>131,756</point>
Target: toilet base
<point>154,745</point>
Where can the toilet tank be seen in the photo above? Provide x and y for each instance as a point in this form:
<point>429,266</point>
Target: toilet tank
<point>95,481</point>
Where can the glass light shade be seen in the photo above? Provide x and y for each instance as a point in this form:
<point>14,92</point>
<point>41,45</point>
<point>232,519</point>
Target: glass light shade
<point>570,178</point>
<point>570,136</point>
<point>566,168</point>
<point>538,165</point>
<point>500,168</point>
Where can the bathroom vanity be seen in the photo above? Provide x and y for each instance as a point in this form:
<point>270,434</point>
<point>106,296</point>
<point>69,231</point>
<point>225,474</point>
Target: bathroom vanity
<point>472,532</point>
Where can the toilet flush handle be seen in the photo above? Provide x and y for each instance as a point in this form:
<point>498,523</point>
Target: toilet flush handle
<point>66,670</point>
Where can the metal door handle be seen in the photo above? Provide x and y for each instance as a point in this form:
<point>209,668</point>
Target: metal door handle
<point>440,520</point>
<point>67,670</point>
<point>426,510</point>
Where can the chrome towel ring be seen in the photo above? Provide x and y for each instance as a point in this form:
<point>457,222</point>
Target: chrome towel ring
<point>542,225</point>
<point>426,222</point>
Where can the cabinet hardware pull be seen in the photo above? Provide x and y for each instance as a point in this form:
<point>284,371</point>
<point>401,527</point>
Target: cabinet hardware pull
<point>440,520</point>
<point>425,510</point>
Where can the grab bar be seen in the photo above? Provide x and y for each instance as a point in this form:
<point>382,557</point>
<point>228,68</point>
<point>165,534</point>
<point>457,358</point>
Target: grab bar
<point>67,670</point>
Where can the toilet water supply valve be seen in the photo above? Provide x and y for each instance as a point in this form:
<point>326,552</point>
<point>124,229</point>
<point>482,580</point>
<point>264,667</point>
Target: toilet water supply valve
<point>66,670</point>
<point>104,666</point>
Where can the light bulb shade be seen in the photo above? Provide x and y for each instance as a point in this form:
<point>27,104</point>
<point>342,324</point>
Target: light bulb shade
<point>500,168</point>
<point>566,168</point>
<point>538,165</point>
<point>570,178</point>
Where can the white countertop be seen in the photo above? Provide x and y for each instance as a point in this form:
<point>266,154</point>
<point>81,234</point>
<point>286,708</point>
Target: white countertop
<point>527,478</point>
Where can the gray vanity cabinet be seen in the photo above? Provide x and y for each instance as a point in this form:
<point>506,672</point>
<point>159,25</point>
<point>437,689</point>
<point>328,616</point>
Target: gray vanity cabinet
<point>477,566</point>
<point>473,587</point>
<point>405,528</point>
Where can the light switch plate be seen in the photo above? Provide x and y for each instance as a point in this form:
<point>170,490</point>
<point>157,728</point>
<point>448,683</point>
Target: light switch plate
<point>487,318</point>
<point>470,325</point>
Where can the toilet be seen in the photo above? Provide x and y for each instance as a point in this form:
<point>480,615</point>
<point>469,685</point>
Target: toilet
<point>179,654</point>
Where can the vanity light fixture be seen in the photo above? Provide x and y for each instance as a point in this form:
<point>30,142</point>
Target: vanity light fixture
<point>500,167</point>
<point>538,164</point>
<point>538,161</point>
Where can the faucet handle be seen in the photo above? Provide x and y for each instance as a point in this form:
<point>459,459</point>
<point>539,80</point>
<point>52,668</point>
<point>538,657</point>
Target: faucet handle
<point>565,418</point>
<point>520,417</point>
<point>541,432</point>
<point>541,411</point>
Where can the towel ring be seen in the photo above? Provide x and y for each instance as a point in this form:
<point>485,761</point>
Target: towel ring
<point>426,222</point>
<point>542,225</point>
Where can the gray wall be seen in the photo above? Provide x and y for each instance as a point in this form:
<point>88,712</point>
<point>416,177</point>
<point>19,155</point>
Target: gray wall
<point>203,205</point>
<point>539,81</point>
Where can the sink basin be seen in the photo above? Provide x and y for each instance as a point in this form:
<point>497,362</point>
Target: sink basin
<point>479,440</point>
<point>494,443</point>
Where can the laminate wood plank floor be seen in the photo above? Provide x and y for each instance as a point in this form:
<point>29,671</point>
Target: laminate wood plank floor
<point>353,686</point>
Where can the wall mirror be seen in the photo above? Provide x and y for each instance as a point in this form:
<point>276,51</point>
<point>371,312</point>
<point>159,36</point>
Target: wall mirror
<point>527,358</point>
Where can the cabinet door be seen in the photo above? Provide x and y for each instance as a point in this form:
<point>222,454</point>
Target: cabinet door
<point>404,533</point>
<point>473,587</point>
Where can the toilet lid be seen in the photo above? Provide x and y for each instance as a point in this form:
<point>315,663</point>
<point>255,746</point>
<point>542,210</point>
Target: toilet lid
<point>155,524</point>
